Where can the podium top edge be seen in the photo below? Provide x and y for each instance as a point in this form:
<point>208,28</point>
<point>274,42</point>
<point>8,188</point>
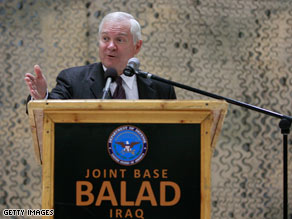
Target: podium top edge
<point>128,104</point>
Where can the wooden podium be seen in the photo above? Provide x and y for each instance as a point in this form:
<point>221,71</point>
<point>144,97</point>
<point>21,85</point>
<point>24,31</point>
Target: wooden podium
<point>126,159</point>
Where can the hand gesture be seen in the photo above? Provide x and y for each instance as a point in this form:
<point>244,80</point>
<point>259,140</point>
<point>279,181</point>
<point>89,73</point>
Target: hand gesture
<point>37,84</point>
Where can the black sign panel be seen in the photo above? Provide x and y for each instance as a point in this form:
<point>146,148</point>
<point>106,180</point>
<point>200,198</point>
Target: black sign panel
<point>165,183</point>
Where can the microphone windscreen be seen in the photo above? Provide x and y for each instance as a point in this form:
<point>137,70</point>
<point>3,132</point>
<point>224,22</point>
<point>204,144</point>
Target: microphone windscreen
<point>134,63</point>
<point>111,73</point>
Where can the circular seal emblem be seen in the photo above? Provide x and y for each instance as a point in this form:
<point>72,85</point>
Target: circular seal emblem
<point>127,145</point>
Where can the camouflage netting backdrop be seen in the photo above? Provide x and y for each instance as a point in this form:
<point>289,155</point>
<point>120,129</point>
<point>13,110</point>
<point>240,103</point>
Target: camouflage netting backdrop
<point>241,49</point>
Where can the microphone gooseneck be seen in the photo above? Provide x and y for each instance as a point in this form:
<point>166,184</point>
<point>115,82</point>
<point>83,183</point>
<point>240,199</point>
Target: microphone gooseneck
<point>110,75</point>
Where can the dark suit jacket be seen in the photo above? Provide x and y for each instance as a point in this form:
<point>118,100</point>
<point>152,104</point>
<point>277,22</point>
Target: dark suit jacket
<point>87,82</point>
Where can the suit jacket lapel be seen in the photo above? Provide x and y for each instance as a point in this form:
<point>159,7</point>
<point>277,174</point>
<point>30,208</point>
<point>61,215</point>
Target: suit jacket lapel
<point>97,81</point>
<point>145,88</point>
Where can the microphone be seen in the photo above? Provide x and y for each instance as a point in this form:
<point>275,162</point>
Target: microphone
<point>110,76</point>
<point>132,67</point>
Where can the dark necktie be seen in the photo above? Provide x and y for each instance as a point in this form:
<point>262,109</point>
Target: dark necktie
<point>119,92</point>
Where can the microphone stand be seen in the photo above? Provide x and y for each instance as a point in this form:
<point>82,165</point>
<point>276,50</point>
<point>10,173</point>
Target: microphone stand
<point>285,124</point>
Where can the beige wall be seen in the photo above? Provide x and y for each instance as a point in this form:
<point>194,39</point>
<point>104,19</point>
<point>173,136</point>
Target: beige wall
<point>235,48</point>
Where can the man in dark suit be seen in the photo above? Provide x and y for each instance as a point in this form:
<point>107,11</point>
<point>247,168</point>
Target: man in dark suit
<point>119,40</point>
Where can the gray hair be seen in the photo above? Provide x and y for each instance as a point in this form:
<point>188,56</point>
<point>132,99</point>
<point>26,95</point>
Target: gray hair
<point>118,16</point>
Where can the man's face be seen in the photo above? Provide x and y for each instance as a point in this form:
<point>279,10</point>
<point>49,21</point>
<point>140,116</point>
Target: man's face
<point>116,45</point>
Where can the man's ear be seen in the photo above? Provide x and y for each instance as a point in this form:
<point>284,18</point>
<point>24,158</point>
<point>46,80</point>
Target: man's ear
<point>138,46</point>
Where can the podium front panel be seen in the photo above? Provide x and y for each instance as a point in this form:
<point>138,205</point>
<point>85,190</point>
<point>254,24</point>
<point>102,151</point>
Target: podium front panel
<point>89,183</point>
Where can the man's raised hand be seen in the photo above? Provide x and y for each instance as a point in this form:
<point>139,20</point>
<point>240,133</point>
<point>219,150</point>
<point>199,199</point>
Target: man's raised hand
<point>37,84</point>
